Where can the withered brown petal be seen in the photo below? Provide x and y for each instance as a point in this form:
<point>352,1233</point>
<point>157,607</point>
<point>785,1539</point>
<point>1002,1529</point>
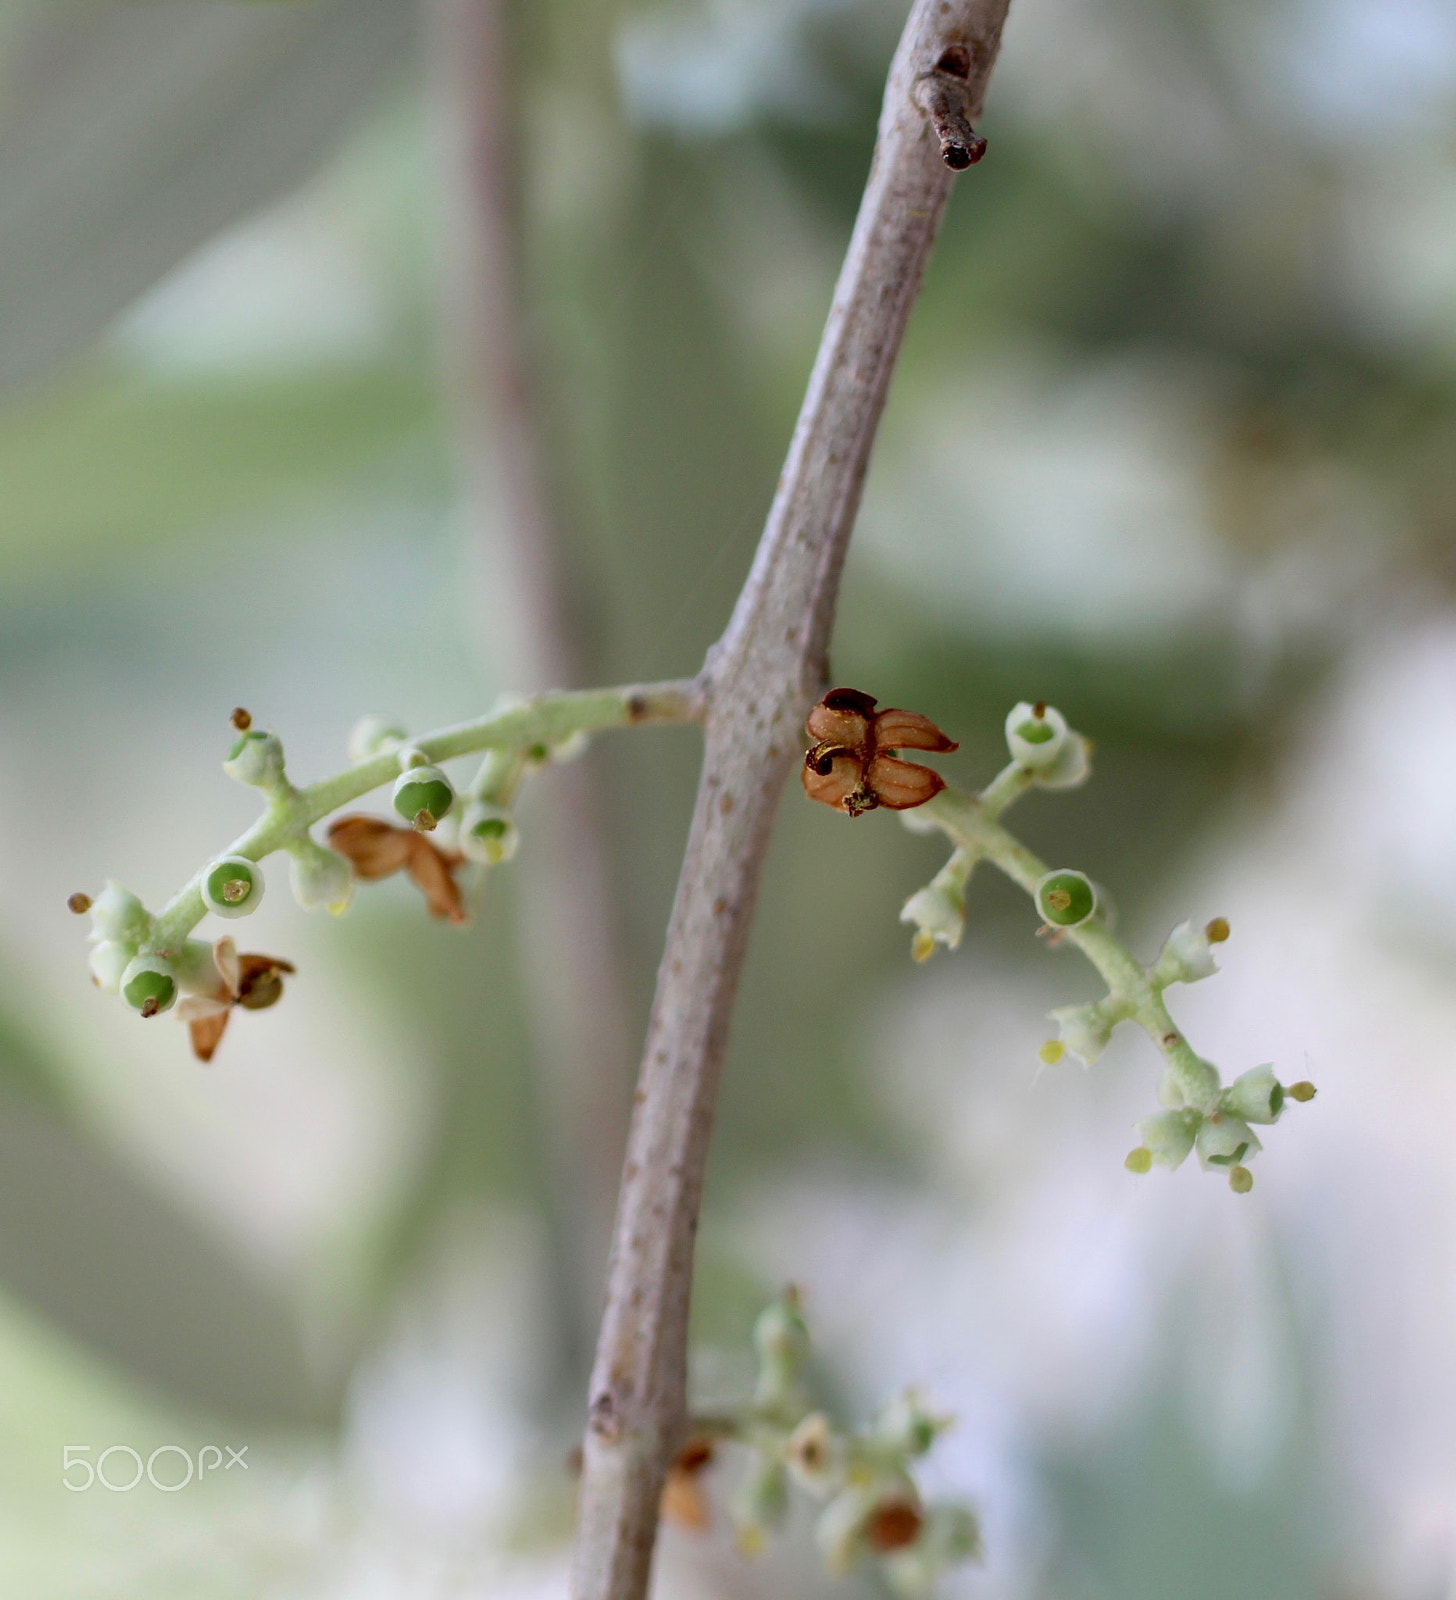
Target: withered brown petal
<point>894,1524</point>
<point>429,867</point>
<point>908,730</point>
<point>683,1501</point>
<point>901,785</point>
<point>850,700</point>
<point>374,848</point>
<point>831,776</point>
<point>842,717</point>
<point>260,981</point>
<point>207,1032</point>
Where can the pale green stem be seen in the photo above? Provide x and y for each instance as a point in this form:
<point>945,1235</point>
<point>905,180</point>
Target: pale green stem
<point>970,823</point>
<point>545,719</point>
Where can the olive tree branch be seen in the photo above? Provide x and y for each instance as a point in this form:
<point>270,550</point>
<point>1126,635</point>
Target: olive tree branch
<point>758,681</point>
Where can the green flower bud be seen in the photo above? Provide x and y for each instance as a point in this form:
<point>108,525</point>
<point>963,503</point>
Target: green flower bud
<point>1035,735</point>
<point>1139,1160</point>
<point>320,877</point>
<point>148,985</point>
<point>1226,1141</point>
<point>1167,1138</point>
<point>1256,1096</point>
<point>1186,956</point>
<point>423,795</point>
<point>488,833</point>
<point>906,1427</point>
<point>1241,1180</point>
<point>372,736</point>
<point>761,1501</point>
<point>232,886</point>
<point>108,961</point>
<point>116,913</point>
<point>1084,1030</point>
<point>781,1338</point>
<point>1066,898</point>
<point>257,759</point>
<point>938,913</point>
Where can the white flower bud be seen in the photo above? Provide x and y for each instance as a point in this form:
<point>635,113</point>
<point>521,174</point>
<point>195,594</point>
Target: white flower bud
<point>951,1535</point>
<point>1084,1030</point>
<point>1226,1141</point>
<point>938,912</point>
<point>1186,956</point>
<point>1168,1136</point>
<point>816,1455</point>
<point>232,886</point>
<point>320,877</point>
<point>116,913</point>
<point>572,748</point>
<point>149,985</point>
<point>488,833</point>
<point>256,759</point>
<point>840,1531</point>
<point>1072,766</point>
<point>1035,735</point>
<point>108,961</point>
<point>1256,1096</point>
<point>372,736</point>
<point>906,1427</point>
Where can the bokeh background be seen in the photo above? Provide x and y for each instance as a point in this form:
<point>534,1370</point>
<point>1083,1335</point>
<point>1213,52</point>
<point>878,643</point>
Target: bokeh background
<point>1173,444</point>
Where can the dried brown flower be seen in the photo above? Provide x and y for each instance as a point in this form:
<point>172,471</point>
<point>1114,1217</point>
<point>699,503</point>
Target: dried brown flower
<point>893,1524</point>
<point>253,982</point>
<point>853,764</point>
<point>376,849</point>
<point>683,1499</point>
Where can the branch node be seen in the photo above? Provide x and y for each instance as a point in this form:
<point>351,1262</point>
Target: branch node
<point>945,97</point>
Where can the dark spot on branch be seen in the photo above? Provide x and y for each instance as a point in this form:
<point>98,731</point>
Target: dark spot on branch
<point>956,61</point>
<point>636,707</point>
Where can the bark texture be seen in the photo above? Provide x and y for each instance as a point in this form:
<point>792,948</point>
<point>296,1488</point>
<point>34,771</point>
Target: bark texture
<point>759,681</point>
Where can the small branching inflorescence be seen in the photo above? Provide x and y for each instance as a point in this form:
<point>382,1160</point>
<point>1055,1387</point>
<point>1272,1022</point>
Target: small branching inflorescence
<point>151,959</point>
<point>1200,1113</point>
<point>864,1480</point>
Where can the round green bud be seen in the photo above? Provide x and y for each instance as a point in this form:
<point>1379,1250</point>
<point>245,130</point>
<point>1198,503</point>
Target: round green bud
<point>148,985</point>
<point>232,886</point>
<point>488,833</point>
<point>1303,1091</point>
<point>256,758</point>
<point>116,913</point>
<point>108,961</point>
<point>1139,1160</point>
<point>1241,1180</point>
<point>1066,898</point>
<point>372,736</point>
<point>423,796</point>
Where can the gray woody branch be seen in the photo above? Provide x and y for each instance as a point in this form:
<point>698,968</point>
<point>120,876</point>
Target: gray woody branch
<point>759,680</point>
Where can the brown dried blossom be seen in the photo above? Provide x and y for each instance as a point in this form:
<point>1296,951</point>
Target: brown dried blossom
<point>853,764</point>
<point>251,981</point>
<point>683,1500</point>
<point>377,849</point>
